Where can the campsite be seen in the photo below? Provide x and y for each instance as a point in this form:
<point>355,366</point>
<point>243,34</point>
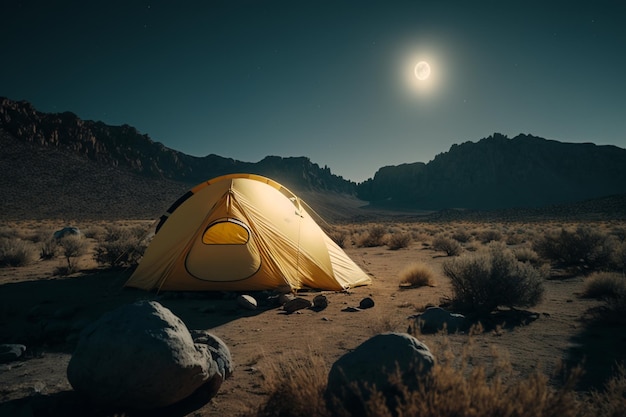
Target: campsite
<point>48,309</point>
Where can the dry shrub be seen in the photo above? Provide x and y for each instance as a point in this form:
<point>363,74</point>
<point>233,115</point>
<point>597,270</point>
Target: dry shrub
<point>48,248</point>
<point>484,281</point>
<point>417,275</point>
<point>72,247</point>
<point>489,235</point>
<point>372,238</point>
<point>121,247</point>
<point>526,254</point>
<point>399,240</point>
<point>450,246</point>
<point>602,285</point>
<point>583,247</point>
<point>296,387</point>
<point>461,235</point>
<point>16,252</point>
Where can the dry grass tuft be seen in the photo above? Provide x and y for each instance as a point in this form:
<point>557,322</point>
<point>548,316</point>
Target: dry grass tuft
<point>296,387</point>
<point>602,285</point>
<point>16,252</point>
<point>417,274</point>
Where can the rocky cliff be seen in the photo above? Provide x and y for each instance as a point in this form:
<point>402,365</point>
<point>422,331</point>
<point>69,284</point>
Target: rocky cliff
<point>125,148</point>
<point>498,172</point>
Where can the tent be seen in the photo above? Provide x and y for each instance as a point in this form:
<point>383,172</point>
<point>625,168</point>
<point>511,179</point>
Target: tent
<point>243,232</point>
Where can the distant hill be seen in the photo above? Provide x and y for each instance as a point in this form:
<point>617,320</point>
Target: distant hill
<point>498,172</point>
<point>125,148</point>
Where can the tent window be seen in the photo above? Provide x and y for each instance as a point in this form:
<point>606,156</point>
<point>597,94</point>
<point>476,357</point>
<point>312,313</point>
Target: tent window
<point>226,232</point>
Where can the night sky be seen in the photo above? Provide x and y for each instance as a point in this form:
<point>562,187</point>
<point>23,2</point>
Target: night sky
<point>330,80</point>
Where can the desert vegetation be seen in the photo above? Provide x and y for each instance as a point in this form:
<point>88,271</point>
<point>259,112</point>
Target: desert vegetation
<point>543,268</point>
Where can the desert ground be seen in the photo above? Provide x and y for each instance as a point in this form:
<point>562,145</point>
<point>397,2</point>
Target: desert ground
<point>46,311</point>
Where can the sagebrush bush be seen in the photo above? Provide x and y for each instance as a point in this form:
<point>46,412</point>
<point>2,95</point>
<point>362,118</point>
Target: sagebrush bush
<point>602,285</point>
<point>399,241</point>
<point>374,237</point>
<point>583,247</point>
<point>526,254</point>
<point>417,275</point>
<point>72,247</point>
<point>16,252</point>
<point>450,246</point>
<point>48,248</point>
<point>484,281</point>
<point>120,247</point>
<point>461,235</point>
<point>489,235</point>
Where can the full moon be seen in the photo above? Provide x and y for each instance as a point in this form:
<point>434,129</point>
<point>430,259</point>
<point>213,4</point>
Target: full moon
<point>422,70</point>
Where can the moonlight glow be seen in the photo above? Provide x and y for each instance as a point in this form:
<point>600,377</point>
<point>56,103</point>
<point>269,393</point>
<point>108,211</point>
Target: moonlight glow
<point>422,70</point>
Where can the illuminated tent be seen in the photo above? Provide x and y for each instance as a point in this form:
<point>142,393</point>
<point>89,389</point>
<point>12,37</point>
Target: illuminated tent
<point>242,232</point>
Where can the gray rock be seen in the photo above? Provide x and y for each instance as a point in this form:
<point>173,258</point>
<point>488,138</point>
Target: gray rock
<point>247,302</point>
<point>140,356</point>
<point>296,304</point>
<point>354,374</point>
<point>367,302</point>
<point>219,351</point>
<point>66,231</point>
<point>11,352</point>
<point>435,319</point>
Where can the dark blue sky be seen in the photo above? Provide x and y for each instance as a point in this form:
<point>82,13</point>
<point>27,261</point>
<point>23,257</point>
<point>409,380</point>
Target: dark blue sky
<point>331,80</point>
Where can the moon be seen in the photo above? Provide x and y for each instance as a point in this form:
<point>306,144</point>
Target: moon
<point>422,70</point>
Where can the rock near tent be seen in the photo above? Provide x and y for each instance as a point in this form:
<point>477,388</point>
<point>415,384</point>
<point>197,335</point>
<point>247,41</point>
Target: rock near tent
<point>243,232</point>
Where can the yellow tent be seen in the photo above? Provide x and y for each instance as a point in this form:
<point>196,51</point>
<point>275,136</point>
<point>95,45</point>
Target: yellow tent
<point>242,232</point>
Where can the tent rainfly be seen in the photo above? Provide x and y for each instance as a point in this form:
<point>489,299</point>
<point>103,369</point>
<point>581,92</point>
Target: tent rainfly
<point>243,232</point>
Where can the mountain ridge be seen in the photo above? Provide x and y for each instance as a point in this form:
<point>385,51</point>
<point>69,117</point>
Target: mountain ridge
<point>497,172</point>
<point>61,159</point>
<point>125,147</point>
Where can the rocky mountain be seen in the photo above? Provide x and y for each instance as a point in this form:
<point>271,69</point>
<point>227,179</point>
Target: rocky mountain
<point>124,147</point>
<point>55,165</point>
<point>498,172</point>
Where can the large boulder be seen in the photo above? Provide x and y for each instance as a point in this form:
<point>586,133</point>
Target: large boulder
<point>141,356</point>
<point>66,231</point>
<point>354,375</point>
<point>435,319</point>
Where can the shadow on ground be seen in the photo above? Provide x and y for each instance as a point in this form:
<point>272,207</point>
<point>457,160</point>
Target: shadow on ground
<point>49,314</point>
<point>598,348</point>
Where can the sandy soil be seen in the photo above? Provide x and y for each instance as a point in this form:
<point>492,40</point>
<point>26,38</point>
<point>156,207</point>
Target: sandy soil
<point>48,311</point>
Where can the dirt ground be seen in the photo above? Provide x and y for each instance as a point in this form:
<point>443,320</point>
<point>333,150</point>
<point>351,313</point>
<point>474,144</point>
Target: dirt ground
<point>48,311</point>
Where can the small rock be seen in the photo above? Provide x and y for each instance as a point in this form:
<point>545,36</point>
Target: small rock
<point>367,302</point>
<point>247,301</point>
<point>320,302</point>
<point>351,309</point>
<point>296,304</point>
<point>11,352</point>
<point>285,298</point>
